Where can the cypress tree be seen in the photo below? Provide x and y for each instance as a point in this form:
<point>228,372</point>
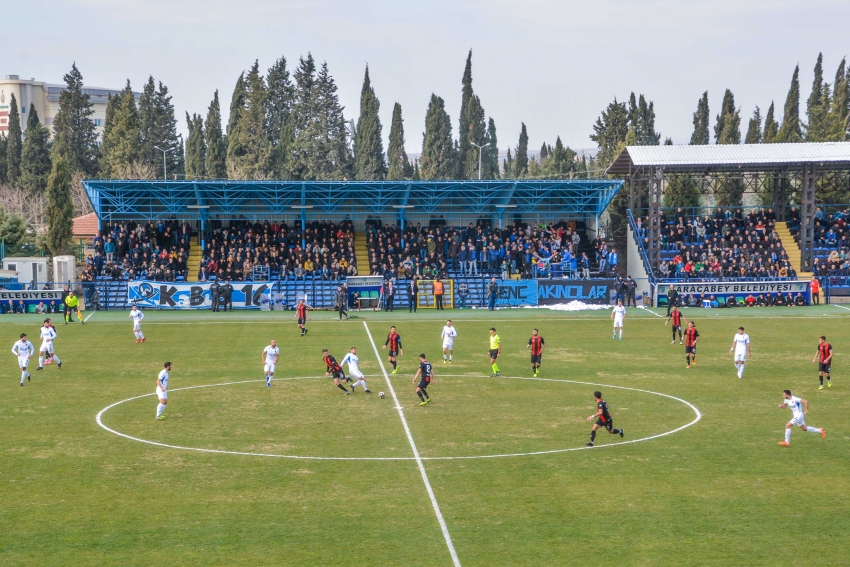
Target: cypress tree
<point>508,165</point>
<point>642,121</point>
<point>3,144</point>
<point>817,106</point>
<point>839,115</point>
<point>754,133</point>
<point>771,126</point>
<point>521,159</point>
<point>562,159</point>
<point>124,142</point>
<point>369,162</point>
<point>668,141</point>
<point>195,147</point>
<point>280,94</point>
<point>417,176</point>
<point>304,120</point>
<point>791,129</point>
<point>112,105</point>
<point>237,104</point>
<point>334,160</point>
<point>35,156</point>
<point>215,167</point>
<point>722,131</point>
<point>74,133</point>
<point>544,153</point>
<point>610,132</point>
<point>60,209</point>
<point>399,165</point>
<point>700,137</point>
<point>14,143</point>
<point>466,118</point>
<point>491,152</point>
<point>438,159</point>
<point>165,134</point>
<point>731,133</point>
<point>147,126</point>
<point>248,146</point>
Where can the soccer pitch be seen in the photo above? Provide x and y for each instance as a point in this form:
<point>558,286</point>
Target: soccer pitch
<point>299,474</point>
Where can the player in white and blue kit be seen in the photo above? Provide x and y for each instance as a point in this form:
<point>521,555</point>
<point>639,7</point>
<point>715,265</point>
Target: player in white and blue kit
<point>136,315</point>
<point>48,334</point>
<point>741,347</point>
<point>449,333</point>
<point>618,315</point>
<point>271,354</point>
<point>162,389</point>
<point>799,408</point>
<point>24,350</point>
<point>354,371</point>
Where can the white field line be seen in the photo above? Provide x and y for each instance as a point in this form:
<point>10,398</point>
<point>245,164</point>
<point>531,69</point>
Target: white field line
<point>89,316</point>
<point>416,456</point>
<point>839,306</point>
<point>651,311</point>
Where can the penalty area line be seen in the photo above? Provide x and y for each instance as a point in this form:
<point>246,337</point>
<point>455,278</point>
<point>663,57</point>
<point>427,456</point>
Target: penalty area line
<point>419,463</point>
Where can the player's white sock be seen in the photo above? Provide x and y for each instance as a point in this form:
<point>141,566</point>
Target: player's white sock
<point>813,430</point>
<point>445,357</point>
<point>23,376</point>
<point>141,335</point>
<point>159,409</point>
<point>741,370</point>
<point>40,361</point>
<point>621,333</point>
<point>451,356</point>
<point>362,382</point>
<point>56,359</point>
<point>788,435</point>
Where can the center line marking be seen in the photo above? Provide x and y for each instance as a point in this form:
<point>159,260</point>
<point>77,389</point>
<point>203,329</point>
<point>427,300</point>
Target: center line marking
<point>416,456</point>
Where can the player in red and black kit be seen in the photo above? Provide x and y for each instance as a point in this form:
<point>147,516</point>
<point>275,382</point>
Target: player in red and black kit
<point>691,338</point>
<point>536,344</point>
<point>394,342</point>
<point>676,316</point>
<point>302,316</point>
<point>603,419</point>
<point>336,370</point>
<point>824,359</point>
<point>425,375</point>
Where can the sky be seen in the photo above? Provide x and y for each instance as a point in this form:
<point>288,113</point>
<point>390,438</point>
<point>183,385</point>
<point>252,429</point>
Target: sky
<point>553,65</point>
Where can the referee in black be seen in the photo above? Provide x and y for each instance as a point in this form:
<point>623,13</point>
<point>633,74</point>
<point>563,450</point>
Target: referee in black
<point>672,297</point>
<point>341,302</point>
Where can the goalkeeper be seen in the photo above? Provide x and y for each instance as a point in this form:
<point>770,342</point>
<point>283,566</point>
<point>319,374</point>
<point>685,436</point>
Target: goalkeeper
<point>72,303</point>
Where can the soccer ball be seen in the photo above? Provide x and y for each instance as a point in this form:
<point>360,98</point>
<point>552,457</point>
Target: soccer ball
<point>381,395</point>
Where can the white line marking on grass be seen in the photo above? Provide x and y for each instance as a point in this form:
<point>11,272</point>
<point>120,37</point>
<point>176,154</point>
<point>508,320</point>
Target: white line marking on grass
<point>650,311</point>
<point>839,306</point>
<point>89,316</point>
<point>419,462</point>
<point>98,418</point>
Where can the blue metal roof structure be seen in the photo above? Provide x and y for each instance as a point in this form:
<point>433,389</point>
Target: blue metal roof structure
<point>200,200</point>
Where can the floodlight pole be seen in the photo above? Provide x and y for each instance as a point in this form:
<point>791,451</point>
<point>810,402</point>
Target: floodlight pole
<point>164,172</point>
<point>479,156</point>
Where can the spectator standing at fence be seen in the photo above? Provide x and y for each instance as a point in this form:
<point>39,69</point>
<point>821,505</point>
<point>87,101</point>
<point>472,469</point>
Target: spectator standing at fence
<point>815,289</point>
<point>227,295</point>
<point>341,302</point>
<point>215,295</point>
<point>492,294</point>
<point>613,260</point>
<point>412,295</point>
<point>463,293</point>
<point>389,295</point>
<point>620,289</point>
<point>438,294</point>
<point>473,260</point>
<point>585,266</point>
<point>462,257</point>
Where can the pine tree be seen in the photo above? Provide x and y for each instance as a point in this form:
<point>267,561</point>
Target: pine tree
<point>491,152</point>
<point>112,105</point>
<point>216,167</point>
<point>280,94</point>
<point>521,158</point>
<point>438,157</point>
<point>754,133</point>
<point>14,143</point>
<point>771,126</point>
<point>35,156</point>
<point>399,165</point>
<point>610,132</point>
<point>123,141</point>
<point>195,147</point>
<point>147,126</point>
<point>159,130</point>
<point>74,133</point>
<point>304,119</point>
<point>248,146</point>
<point>334,160</point>
<point>700,137</point>
<point>725,129</point>
<point>791,129</point>
<point>369,162</point>
<point>562,159</point>
<point>60,209</point>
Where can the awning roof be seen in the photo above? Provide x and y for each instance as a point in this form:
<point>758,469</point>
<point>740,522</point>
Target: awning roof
<point>738,157</point>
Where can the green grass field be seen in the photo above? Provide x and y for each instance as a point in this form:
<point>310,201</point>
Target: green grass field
<point>720,492</point>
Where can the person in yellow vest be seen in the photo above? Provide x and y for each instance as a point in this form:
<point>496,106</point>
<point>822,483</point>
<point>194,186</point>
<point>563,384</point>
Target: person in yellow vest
<point>438,294</point>
<point>73,304</point>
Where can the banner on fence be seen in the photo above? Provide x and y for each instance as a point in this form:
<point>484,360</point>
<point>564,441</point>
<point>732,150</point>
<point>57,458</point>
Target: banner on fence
<point>551,292</point>
<point>515,293</point>
<point>31,298</point>
<point>722,290</point>
<point>169,295</point>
